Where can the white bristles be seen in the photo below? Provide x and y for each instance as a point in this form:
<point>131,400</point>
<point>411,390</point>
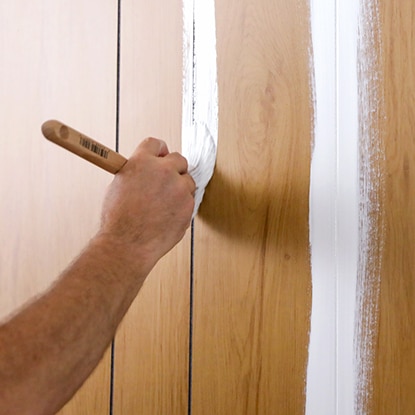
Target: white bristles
<point>201,156</point>
<point>200,92</point>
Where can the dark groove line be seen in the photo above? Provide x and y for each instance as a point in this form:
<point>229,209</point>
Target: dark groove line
<point>117,113</point>
<point>192,238</point>
<point>117,148</point>
<point>190,374</point>
<point>193,65</point>
<point>111,399</point>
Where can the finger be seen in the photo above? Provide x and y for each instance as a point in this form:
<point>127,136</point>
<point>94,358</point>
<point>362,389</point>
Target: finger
<point>179,162</point>
<point>153,146</point>
<point>190,183</point>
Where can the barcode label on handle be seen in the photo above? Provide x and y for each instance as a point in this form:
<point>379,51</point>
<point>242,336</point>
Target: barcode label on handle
<point>94,147</point>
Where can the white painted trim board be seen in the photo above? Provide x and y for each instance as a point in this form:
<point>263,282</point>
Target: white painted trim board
<point>334,201</point>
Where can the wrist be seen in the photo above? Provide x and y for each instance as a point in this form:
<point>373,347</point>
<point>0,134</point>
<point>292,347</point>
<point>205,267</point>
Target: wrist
<point>128,254</point>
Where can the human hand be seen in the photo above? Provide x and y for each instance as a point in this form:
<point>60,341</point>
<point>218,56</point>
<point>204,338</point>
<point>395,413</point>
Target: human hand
<point>149,204</point>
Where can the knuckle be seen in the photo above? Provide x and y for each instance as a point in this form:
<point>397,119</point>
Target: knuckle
<point>151,140</point>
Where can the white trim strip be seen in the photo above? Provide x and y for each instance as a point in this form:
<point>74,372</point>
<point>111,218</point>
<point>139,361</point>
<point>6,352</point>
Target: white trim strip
<point>334,191</point>
<point>321,371</point>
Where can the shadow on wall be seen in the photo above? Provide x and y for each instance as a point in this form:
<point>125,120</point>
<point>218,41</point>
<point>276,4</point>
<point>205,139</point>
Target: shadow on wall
<point>273,210</point>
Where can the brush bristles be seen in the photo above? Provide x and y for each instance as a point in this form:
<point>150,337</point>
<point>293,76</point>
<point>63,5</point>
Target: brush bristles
<point>201,156</point>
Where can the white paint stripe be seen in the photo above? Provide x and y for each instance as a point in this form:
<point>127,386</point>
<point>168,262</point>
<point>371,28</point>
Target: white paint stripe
<point>321,371</point>
<point>333,208</point>
<point>200,92</point>
<point>346,222</point>
<point>371,231</point>
<point>347,201</point>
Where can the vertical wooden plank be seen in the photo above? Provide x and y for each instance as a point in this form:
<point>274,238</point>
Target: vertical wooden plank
<point>394,373</point>
<point>252,271</point>
<point>57,61</point>
<point>151,349</point>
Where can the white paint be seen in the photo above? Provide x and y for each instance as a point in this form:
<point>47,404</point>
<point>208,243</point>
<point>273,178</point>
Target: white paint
<point>200,92</point>
<point>333,208</point>
<point>346,226</point>
<point>321,372</point>
<point>345,305</point>
<point>371,232</point>
<point>347,201</point>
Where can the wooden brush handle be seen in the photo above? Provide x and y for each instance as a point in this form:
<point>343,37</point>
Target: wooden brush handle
<point>83,146</point>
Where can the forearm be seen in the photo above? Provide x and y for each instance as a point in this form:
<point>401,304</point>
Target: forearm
<point>52,346</point>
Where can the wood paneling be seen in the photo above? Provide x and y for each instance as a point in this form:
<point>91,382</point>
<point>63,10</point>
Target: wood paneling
<point>57,61</point>
<point>252,293</point>
<point>151,349</point>
<point>394,376</point>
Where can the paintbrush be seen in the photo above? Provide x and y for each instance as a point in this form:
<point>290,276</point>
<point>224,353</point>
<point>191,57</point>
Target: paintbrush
<point>83,146</point>
<point>200,92</point>
<point>201,157</point>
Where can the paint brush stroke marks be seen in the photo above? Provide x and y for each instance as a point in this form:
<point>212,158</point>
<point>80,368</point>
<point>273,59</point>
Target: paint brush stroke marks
<point>371,220</point>
<point>200,92</point>
<point>346,193</point>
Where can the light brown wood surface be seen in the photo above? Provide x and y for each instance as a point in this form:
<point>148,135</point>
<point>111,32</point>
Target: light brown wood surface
<point>151,348</point>
<point>394,376</point>
<point>57,60</point>
<point>252,293</point>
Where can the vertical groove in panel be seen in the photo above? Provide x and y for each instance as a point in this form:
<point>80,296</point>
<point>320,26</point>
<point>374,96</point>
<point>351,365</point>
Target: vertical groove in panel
<point>111,397</point>
<point>152,344</point>
<point>192,253</point>
<point>117,145</point>
<point>117,116</point>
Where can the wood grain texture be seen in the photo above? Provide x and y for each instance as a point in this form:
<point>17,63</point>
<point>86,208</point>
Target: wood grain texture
<point>252,295</point>
<point>55,62</point>
<point>151,349</point>
<point>394,376</point>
